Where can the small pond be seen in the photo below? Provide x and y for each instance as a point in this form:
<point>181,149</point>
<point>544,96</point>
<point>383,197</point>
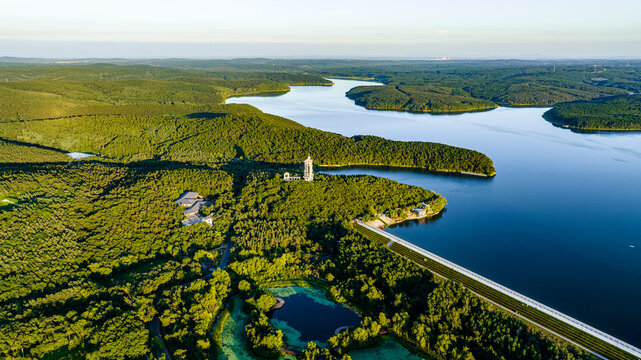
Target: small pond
<point>309,316</point>
<point>313,309</point>
<point>79,155</point>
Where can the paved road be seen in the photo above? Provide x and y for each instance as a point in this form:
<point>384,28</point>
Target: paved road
<point>155,328</point>
<point>526,300</point>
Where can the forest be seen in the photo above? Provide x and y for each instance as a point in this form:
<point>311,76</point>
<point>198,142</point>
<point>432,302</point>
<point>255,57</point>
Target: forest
<point>429,99</point>
<point>621,113</point>
<point>183,120</point>
<point>503,82</point>
<point>94,262</point>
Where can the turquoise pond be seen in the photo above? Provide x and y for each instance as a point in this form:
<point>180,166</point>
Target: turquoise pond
<point>309,316</point>
<point>560,223</point>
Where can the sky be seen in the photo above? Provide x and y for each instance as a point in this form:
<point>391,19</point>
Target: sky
<point>325,29</point>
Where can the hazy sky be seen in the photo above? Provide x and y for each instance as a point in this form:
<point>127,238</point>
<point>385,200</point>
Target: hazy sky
<point>328,28</point>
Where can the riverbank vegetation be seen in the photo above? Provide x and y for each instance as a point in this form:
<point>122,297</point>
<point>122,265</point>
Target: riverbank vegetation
<point>621,113</point>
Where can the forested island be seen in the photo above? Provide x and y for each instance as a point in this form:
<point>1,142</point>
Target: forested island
<point>94,262</point>
<point>428,99</point>
<point>621,113</point>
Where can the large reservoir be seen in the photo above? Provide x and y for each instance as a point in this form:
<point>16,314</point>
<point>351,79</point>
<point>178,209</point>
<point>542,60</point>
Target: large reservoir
<point>560,223</point>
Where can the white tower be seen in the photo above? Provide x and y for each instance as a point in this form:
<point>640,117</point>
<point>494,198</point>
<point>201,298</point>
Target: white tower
<point>308,175</point>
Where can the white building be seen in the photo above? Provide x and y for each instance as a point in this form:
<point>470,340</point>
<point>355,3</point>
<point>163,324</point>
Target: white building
<point>308,175</point>
<point>187,199</point>
<point>308,172</point>
<point>288,177</point>
<point>419,212</point>
<point>194,203</point>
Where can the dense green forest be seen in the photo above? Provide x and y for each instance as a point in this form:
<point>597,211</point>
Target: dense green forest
<point>503,82</point>
<point>110,72</point>
<point>18,152</point>
<point>234,131</point>
<point>183,120</point>
<point>94,262</point>
<point>621,113</point>
<point>431,99</point>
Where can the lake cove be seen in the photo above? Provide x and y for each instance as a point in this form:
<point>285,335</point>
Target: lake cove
<point>309,316</point>
<point>559,222</point>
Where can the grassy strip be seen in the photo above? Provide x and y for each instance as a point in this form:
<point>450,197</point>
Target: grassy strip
<point>536,316</point>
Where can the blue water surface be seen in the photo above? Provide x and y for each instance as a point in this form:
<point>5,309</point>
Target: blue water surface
<point>560,223</point>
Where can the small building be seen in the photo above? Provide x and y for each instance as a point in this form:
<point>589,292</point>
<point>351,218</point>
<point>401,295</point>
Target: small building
<point>420,212</point>
<point>190,221</point>
<point>187,199</point>
<point>194,210</point>
<point>194,203</point>
<point>308,172</point>
<point>288,177</point>
<point>209,219</point>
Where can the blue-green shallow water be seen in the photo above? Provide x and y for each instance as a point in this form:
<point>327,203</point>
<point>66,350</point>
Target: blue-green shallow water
<point>561,221</point>
<point>309,316</point>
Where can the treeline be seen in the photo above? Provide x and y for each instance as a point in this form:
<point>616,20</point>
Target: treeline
<point>503,82</point>
<point>235,131</point>
<point>506,83</point>
<point>430,99</point>
<point>617,113</point>
<point>111,72</point>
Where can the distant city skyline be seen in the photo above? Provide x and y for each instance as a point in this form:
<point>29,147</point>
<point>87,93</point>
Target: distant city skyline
<point>284,28</point>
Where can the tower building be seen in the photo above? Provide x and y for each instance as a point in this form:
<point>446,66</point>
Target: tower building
<point>308,174</point>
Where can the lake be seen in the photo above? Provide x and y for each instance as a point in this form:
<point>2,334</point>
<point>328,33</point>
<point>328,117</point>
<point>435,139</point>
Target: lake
<point>309,316</point>
<point>560,223</point>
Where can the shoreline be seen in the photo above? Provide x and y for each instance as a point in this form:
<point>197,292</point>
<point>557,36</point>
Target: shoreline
<point>389,222</point>
<point>560,124</point>
<point>440,171</point>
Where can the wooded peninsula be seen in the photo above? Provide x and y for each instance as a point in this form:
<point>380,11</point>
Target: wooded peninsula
<point>621,113</point>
